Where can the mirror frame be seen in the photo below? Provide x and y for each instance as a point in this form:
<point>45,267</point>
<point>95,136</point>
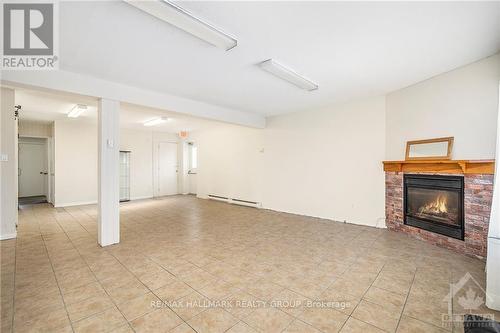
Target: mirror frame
<point>417,142</point>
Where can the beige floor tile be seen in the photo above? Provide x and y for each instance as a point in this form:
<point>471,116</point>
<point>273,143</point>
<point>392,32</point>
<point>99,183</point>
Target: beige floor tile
<point>298,326</point>
<point>211,247</point>
<point>241,327</point>
<point>411,325</point>
<point>127,292</point>
<point>389,300</point>
<point>241,304</point>
<point>218,290</point>
<point>26,308</point>
<point>212,320</point>
<point>341,300</point>
<point>354,287</point>
<point>354,325</point>
<point>289,302</point>
<point>106,321</point>
<point>268,319</point>
<point>157,280</point>
<point>425,310</point>
<point>324,319</point>
<point>139,306</point>
<point>173,291</point>
<point>182,328</point>
<point>163,319</point>
<point>189,306</point>
<point>123,329</point>
<point>47,322</point>
<point>377,315</point>
<point>79,294</point>
<point>263,289</point>
<point>89,307</point>
<point>397,286</point>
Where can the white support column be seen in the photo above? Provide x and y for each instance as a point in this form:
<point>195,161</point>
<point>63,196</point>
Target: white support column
<point>109,172</point>
<point>493,256</point>
<point>8,165</point>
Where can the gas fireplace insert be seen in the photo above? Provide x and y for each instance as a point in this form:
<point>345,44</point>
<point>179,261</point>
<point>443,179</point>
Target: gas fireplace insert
<point>435,203</point>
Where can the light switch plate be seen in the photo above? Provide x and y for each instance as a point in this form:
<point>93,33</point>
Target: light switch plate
<point>4,158</point>
<point>111,144</point>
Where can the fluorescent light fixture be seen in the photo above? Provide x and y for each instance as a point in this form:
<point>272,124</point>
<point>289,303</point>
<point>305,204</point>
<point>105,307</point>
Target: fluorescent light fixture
<point>182,19</point>
<point>155,121</point>
<point>287,74</point>
<point>77,110</point>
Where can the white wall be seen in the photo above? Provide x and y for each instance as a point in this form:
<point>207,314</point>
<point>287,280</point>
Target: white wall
<point>76,161</point>
<point>230,162</point>
<point>35,129</point>
<point>140,143</point>
<point>462,103</point>
<point>327,163</point>
<point>8,168</point>
<point>310,163</point>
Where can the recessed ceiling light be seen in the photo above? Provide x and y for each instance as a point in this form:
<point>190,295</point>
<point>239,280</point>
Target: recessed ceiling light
<point>287,74</point>
<point>77,110</point>
<point>155,121</point>
<point>182,19</point>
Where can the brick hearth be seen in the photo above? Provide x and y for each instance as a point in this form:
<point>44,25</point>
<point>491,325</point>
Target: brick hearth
<point>477,204</point>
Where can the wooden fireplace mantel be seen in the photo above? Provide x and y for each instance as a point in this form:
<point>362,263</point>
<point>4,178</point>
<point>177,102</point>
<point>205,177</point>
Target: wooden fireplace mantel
<point>442,166</point>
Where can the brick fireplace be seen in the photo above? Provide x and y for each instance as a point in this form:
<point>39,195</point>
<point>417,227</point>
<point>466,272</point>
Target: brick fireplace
<point>477,197</point>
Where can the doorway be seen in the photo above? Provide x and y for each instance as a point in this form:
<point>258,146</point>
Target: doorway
<point>33,172</point>
<point>167,168</point>
<point>193,167</point>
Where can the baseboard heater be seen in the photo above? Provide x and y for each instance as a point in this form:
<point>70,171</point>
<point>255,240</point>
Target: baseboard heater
<point>234,201</point>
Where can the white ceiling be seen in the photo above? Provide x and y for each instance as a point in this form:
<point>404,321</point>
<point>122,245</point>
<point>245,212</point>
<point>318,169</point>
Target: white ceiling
<point>351,49</point>
<point>47,107</point>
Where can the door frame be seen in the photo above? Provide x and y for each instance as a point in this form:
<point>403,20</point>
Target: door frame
<point>156,166</point>
<point>50,180</point>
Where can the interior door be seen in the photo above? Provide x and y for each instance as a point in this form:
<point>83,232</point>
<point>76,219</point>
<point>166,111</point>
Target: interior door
<point>32,169</point>
<point>167,168</point>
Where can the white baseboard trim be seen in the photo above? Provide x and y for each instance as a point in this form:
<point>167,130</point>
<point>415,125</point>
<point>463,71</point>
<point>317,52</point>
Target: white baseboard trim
<point>8,236</point>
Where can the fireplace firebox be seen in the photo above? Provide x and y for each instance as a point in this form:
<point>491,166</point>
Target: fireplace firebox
<point>435,203</point>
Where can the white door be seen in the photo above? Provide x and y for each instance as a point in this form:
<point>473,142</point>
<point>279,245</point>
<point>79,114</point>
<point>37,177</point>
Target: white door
<point>167,168</point>
<point>193,168</point>
<point>32,169</point>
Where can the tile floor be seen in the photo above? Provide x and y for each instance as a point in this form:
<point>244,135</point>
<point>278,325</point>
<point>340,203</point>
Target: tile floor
<point>191,265</point>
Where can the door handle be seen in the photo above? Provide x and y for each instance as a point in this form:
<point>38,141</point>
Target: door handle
<point>43,173</point>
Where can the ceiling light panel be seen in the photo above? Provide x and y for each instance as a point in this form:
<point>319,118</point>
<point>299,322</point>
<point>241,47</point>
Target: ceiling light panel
<point>288,74</point>
<point>182,19</point>
<point>77,110</point>
<point>155,121</point>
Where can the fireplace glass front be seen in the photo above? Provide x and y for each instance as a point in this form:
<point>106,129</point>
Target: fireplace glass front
<point>435,203</point>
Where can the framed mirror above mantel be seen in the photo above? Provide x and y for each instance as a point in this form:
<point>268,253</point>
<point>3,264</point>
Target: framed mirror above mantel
<point>429,149</point>
<point>434,156</point>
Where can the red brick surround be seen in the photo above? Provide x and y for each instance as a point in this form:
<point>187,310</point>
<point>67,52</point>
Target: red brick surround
<point>477,205</point>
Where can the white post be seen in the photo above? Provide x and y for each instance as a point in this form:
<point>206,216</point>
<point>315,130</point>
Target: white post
<point>493,256</point>
<point>8,165</point>
<point>109,172</point>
